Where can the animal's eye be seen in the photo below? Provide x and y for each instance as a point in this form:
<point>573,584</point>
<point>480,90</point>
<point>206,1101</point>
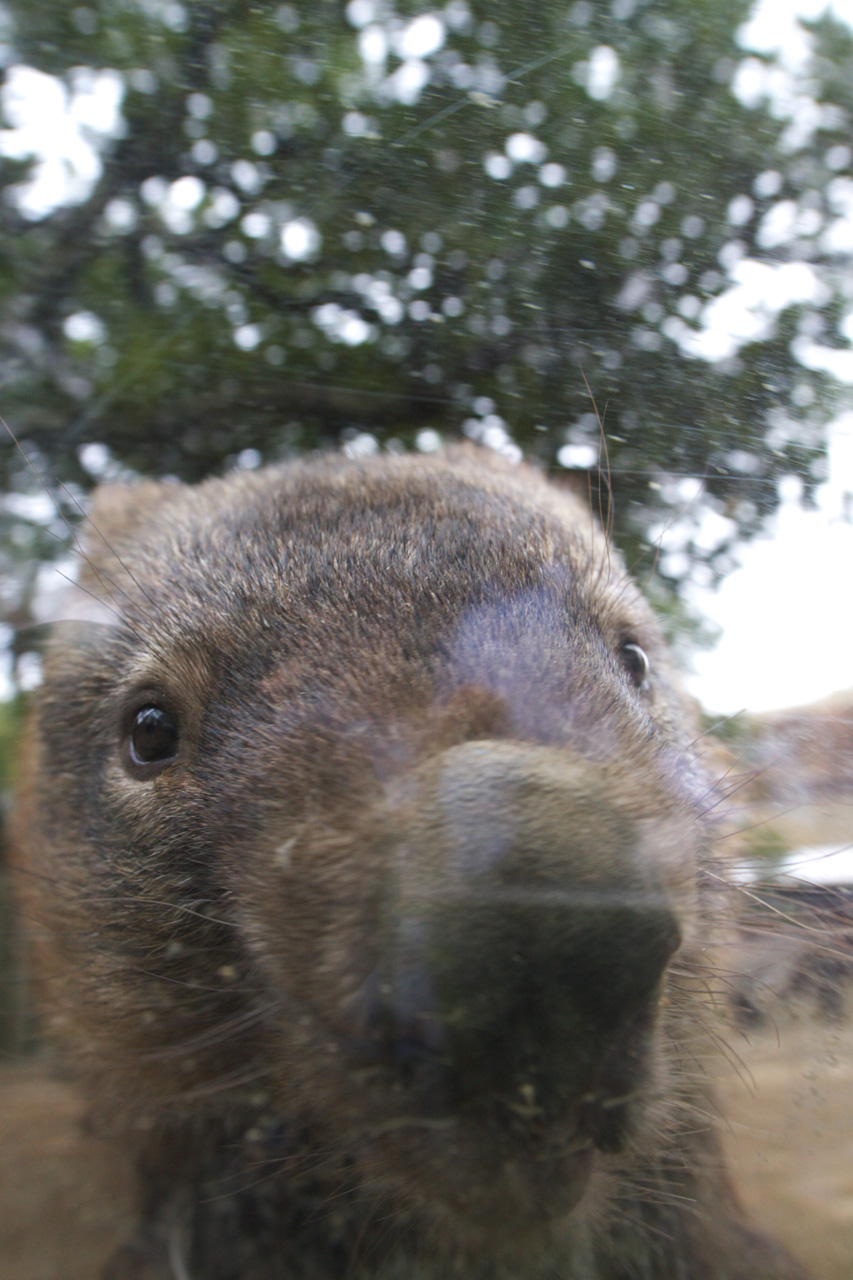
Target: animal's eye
<point>636,663</point>
<point>154,736</point>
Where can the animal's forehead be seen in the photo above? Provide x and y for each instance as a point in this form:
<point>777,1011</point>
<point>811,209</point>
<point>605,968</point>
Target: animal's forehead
<point>391,511</point>
<point>282,531</point>
<point>332,545</point>
<point>367,565</point>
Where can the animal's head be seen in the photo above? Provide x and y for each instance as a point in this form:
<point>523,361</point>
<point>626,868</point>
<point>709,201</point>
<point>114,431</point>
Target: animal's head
<point>371,797</point>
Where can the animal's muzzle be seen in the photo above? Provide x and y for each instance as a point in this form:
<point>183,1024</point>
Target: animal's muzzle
<point>525,939</point>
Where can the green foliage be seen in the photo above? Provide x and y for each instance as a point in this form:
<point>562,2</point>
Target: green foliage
<point>287,247</point>
<point>11,1028</point>
<point>10,719</point>
<point>764,844</point>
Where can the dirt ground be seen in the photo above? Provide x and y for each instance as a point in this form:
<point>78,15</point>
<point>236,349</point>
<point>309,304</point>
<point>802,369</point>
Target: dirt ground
<point>790,1139</point>
<point>66,1199</point>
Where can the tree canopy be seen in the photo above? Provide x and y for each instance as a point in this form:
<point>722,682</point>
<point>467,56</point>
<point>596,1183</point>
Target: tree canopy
<point>283,226</point>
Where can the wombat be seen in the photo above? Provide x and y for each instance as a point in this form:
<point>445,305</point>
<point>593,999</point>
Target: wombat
<point>371,882</point>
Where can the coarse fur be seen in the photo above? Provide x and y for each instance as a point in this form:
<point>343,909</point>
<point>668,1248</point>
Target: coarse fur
<point>398,967</point>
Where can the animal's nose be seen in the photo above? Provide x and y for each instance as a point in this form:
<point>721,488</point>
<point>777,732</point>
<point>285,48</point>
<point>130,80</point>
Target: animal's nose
<point>531,923</point>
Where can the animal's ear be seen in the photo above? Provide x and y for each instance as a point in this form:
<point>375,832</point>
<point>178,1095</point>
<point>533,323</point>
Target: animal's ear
<point>117,513</point>
<point>118,510</point>
<point>118,517</point>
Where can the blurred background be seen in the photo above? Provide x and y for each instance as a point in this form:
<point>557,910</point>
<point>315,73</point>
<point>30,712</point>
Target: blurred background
<point>615,238</point>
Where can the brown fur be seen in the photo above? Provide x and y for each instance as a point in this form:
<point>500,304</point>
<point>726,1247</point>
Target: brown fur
<point>399,968</point>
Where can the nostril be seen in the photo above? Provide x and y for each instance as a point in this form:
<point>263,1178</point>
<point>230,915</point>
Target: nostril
<point>605,1113</point>
<point>511,990</point>
<point>393,1013</point>
<point>418,1045</point>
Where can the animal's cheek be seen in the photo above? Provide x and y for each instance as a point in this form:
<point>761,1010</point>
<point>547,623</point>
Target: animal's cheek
<point>309,901</point>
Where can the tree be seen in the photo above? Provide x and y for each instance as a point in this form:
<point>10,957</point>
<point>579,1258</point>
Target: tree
<point>377,225</point>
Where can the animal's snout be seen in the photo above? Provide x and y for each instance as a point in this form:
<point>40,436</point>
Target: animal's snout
<point>531,923</point>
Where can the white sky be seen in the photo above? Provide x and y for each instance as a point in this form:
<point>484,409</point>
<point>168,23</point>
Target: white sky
<point>786,613</point>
